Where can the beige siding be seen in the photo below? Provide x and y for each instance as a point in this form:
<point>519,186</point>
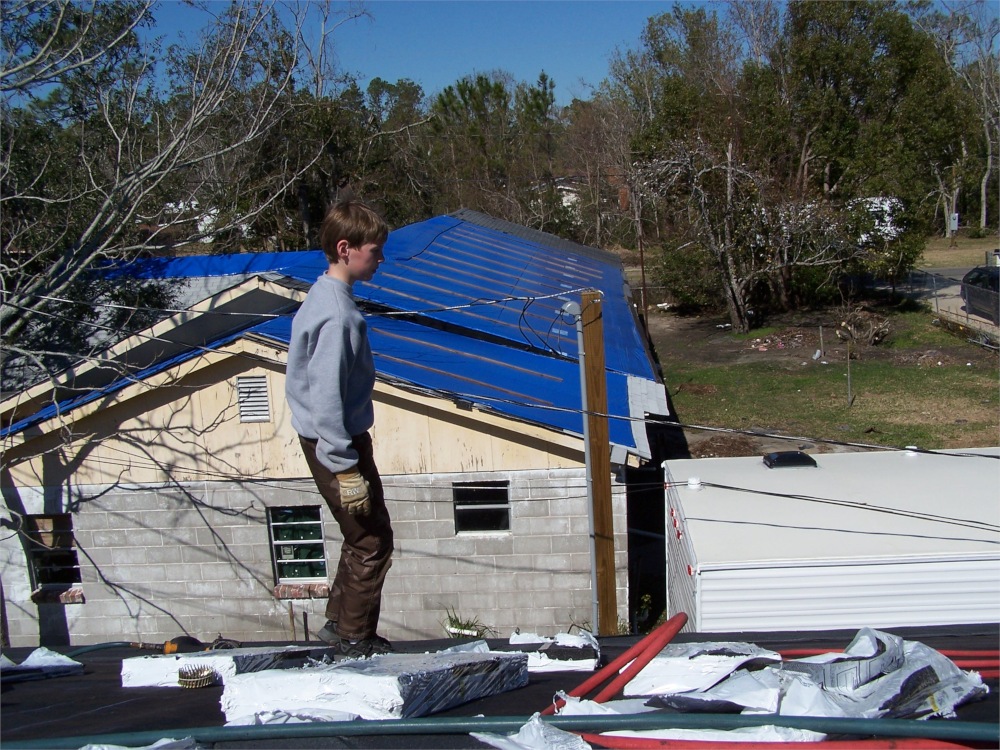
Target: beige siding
<point>188,429</point>
<point>419,435</point>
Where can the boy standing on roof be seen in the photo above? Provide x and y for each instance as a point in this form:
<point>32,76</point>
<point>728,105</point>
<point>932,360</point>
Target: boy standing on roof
<point>329,383</point>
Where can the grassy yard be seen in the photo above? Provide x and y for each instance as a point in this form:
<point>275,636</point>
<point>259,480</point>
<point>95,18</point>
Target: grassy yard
<point>959,252</point>
<point>921,387</point>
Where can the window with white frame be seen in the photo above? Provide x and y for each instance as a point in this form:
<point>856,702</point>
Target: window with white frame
<point>297,547</point>
<point>52,555</point>
<point>481,506</point>
<point>251,394</point>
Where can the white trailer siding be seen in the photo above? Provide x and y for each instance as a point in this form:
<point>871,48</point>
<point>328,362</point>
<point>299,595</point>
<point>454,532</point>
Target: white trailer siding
<point>880,539</point>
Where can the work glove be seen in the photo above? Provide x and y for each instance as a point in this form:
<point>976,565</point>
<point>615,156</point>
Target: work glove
<point>354,494</point>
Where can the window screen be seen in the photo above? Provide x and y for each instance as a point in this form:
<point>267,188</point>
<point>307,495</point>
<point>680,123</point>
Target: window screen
<point>297,546</point>
<point>52,550</point>
<point>481,506</point>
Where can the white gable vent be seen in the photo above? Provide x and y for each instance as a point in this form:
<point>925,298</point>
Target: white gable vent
<point>251,392</point>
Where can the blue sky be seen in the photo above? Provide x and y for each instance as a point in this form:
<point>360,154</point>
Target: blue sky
<point>436,42</point>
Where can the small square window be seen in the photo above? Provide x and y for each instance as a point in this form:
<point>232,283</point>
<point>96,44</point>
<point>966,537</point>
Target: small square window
<point>52,556</point>
<point>297,547</point>
<point>481,506</point>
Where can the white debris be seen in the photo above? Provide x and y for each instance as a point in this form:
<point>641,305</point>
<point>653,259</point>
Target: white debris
<point>162,670</point>
<point>872,678</point>
<point>534,735</point>
<point>41,658</point>
<point>389,686</point>
<point>188,743</point>
<point>694,666</point>
<point>743,734</point>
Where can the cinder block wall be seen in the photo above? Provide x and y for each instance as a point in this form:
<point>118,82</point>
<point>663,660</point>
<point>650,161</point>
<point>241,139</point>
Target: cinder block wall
<point>535,577</point>
<point>161,562</point>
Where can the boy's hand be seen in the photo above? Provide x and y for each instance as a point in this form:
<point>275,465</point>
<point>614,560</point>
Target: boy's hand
<point>354,494</point>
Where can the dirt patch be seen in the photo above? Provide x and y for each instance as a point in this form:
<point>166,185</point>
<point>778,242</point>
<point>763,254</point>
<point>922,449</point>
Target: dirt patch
<point>698,389</point>
<point>705,340</point>
<point>725,446</point>
<point>792,342</point>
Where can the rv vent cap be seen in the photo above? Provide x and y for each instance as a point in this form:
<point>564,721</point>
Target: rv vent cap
<point>784,459</point>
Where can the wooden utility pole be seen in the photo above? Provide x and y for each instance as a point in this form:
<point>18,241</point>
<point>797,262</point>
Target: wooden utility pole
<point>599,470</point>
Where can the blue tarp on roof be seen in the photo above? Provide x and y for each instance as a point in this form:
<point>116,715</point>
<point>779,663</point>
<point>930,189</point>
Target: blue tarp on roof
<point>521,384</point>
<point>498,284</point>
<point>466,275</point>
<point>489,303</point>
<point>233,264</point>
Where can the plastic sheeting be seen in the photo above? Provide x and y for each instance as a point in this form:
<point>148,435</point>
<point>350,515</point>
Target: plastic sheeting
<point>383,687</point>
<point>878,676</point>
<point>163,670</point>
<point>40,664</point>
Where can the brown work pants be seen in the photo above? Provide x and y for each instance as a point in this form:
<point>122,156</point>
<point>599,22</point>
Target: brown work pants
<point>365,556</point>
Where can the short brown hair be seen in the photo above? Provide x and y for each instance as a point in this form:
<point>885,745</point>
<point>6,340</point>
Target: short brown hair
<point>353,221</point>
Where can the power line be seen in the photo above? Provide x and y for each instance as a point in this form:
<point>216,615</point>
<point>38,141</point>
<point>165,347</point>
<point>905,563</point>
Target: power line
<point>452,395</point>
<point>470,398</point>
<point>477,302</point>
<point>855,504</point>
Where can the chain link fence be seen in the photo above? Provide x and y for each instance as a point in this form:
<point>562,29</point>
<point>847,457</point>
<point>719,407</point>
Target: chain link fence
<point>943,295</point>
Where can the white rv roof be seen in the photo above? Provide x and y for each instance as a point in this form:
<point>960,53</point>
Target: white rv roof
<point>851,508</point>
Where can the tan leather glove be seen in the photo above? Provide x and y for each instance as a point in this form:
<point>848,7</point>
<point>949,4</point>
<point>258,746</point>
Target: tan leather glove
<point>354,494</point>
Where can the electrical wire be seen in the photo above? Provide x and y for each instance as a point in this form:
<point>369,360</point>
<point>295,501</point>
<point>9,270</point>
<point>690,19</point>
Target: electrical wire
<point>147,337</point>
<point>135,308</point>
<point>861,505</point>
<point>452,395</point>
<point>477,302</point>
<point>498,400</point>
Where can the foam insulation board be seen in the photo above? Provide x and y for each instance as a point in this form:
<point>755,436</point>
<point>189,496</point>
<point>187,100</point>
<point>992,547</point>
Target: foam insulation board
<point>162,670</point>
<point>383,687</point>
<point>563,652</point>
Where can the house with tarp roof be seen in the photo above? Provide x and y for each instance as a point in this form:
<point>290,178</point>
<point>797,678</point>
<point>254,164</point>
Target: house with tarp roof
<point>160,489</point>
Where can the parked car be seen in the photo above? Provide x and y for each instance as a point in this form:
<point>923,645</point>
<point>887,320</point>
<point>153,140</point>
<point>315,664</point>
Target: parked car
<point>981,292</point>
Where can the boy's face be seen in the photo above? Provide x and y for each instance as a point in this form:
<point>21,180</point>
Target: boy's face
<point>362,261</point>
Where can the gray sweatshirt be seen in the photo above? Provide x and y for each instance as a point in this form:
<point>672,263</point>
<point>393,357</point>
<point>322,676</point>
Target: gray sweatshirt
<point>330,375</point>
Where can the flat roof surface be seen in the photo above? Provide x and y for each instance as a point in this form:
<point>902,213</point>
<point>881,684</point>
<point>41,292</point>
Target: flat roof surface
<point>852,507</point>
<point>94,703</point>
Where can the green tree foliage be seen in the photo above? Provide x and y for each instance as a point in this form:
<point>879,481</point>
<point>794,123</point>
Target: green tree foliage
<point>781,122</point>
<point>112,149</point>
<point>809,111</point>
<point>495,147</point>
<point>473,131</point>
<point>881,112</point>
<point>395,170</point>
<point>966,36</point>
<point>693,54</point>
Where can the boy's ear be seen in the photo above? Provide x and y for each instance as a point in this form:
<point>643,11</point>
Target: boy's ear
<point>342,246</point>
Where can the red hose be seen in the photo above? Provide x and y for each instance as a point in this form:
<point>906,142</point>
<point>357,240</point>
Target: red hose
<point>648,743</point>
<point>655,647</point>
<point>795,653</point>
<point>986,662</point>
<point>660,636</point>
<point>977,663</point>
<point>646,649</point>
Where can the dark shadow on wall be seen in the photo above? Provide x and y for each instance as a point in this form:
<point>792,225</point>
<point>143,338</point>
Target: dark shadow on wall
<point>647,548</point>
<point>53,628</point>
<point>666,436</point>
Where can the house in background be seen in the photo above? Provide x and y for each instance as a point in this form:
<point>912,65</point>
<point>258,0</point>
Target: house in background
<point>162,491</point>
<point>880,539</point>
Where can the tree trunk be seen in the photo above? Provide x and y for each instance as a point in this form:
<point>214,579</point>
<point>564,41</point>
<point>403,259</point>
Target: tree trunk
<point>984,182</point>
